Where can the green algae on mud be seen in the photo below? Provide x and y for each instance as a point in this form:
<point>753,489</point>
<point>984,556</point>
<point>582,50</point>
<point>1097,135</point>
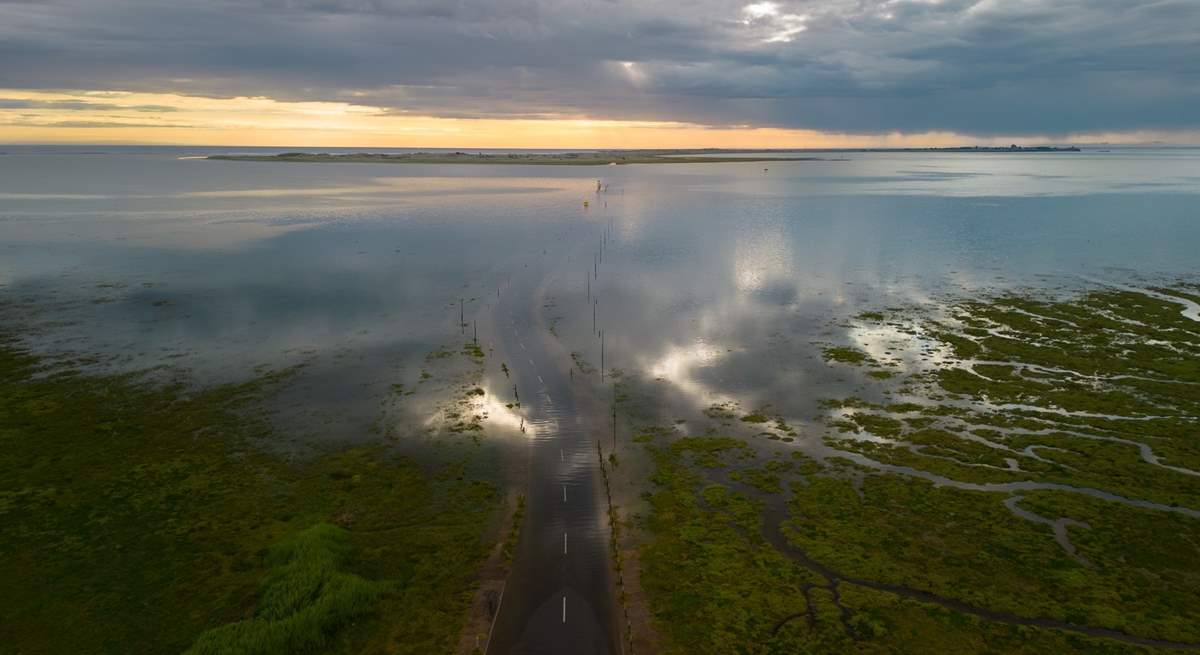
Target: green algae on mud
<point>140,512</point>
<point>714,584</point>
<point>967,545</point>
<point>718,583</point>
<point>845,355</point>
<point>1100,391</point>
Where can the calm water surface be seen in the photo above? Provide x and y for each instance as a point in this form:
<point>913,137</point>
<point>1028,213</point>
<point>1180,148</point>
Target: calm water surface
<point>719,281</point>
<point>223,266</point>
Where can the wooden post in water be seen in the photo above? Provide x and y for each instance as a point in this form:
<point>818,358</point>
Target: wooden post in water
<point>462,323</point>
<point>475,332</point>
<point>601,353</point>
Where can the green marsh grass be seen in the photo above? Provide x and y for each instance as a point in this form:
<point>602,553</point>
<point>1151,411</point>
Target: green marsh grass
<point>138,514</point>
<point>305,599</point>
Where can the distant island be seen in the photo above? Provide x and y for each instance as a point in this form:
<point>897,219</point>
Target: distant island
<point>558,158</point>
<point>603,157</point>
<point>1012,148</point>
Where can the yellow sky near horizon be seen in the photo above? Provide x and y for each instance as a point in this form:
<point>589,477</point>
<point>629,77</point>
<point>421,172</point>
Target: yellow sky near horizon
<point>121,117</point>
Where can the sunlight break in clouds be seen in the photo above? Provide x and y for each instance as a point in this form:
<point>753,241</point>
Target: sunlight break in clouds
<point>781,27</point>
<point>634,73</point>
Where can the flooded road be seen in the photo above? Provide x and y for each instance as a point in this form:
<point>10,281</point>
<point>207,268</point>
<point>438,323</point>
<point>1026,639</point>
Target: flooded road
<point>721,285</point>
<point>558,597</point>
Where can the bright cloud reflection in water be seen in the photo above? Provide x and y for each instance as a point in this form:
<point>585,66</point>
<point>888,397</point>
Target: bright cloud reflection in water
<point>679,365</point>
<point>498,413</point>
<point>488,410</point>
<point>360,267</point>
<point>760,259</point>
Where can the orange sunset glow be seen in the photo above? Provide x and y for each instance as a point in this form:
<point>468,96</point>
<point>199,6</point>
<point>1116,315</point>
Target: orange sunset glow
<point>168,118</point>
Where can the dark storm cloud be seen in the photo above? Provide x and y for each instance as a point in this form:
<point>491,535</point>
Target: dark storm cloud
<point>991,66</point>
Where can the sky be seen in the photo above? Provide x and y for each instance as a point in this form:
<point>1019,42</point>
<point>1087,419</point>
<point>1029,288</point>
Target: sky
<point>599,73</point>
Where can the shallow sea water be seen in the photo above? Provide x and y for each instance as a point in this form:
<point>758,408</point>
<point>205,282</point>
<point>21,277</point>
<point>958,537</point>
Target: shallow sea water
<point>721,279</point>
<point>714,283</point>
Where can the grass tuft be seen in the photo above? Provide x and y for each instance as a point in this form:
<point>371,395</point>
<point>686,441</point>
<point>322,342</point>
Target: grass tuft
<point>305,599</point>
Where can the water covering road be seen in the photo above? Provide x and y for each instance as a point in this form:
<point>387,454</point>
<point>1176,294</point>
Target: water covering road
<point>558,597</point>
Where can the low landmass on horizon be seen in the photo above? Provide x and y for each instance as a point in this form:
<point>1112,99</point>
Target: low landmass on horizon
<point>597,158</point>
<point>753,327</point>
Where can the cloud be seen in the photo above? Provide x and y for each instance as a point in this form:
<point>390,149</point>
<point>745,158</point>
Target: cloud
<point>97,124</point>
<point>80,105</point>
<point>865,66</point>
<point>780,27</point>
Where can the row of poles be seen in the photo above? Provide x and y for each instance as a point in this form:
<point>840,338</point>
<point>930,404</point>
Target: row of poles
<point>597,259</point>
<point>614,537</point>
<point>462,320</point>
<point>614,524</point>
<point>593,274</point>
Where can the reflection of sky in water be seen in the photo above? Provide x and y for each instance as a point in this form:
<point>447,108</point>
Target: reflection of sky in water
<point>720,279</point>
